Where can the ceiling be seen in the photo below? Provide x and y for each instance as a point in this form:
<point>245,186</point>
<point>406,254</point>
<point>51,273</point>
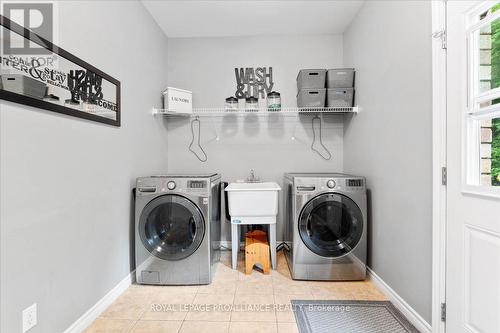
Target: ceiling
<point>216,18</point>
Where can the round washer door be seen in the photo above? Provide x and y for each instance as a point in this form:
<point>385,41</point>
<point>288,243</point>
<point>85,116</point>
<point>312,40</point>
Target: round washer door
<point>171,227</point>
<point>331,225</point>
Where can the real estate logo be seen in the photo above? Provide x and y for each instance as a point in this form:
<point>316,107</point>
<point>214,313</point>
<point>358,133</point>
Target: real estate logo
<point>37,17</point>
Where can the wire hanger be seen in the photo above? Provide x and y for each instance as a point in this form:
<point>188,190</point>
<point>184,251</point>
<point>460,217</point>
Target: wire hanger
<point>200,154</point>
<point>326,155</point>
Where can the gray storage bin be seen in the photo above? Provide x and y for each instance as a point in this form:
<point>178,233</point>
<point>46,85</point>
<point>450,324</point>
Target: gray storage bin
<point>308,97</point>
<point>340,78</point>
<point>23,85</point>
<point>311,78</point>
<point>340,97</point>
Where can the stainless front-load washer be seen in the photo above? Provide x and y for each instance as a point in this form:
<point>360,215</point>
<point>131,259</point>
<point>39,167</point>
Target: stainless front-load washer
<point>325,226</point>
<point>177,229</point>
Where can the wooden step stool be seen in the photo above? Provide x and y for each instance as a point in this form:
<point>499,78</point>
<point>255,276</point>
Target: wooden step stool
<point>256,251</point>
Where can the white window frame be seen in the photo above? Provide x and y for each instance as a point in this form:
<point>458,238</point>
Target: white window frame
<point>471,154</point>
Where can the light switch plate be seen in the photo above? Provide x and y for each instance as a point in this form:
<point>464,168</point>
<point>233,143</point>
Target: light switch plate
<point>29,317</point>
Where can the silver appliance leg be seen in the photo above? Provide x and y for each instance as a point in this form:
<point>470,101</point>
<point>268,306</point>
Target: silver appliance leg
<point>235,244</point>
<point>272,241</point>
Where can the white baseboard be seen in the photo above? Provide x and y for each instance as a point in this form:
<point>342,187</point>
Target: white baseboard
<point>410,314</point>
<point>94,312</point>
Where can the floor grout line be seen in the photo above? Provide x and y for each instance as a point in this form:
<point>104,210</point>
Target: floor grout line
<point>243,288</point>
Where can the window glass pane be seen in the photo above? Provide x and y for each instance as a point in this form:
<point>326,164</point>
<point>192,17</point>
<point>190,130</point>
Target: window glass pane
<point>331,225</point>
<point>489,103</point>
<point>490,152</point>
<point>489,54</point>
<point>171,228</point>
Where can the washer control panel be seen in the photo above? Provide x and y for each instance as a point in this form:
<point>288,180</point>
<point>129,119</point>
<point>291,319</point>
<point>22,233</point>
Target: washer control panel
<point>197,184</point>
<point>330,183</point>
<point>174,185</point>
<point>171,185</point>
<point>308,184</point>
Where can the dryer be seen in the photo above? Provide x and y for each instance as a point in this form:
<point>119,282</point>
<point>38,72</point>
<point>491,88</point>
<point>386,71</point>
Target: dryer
<point>177,229</point>
<point>326,226</point>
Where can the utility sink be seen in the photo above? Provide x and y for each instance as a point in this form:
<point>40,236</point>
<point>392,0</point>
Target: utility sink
<point>253,203</point>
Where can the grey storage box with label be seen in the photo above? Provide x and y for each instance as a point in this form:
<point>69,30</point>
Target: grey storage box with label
<point>340,97</point>
<point>340,78</point>
<point>311,98</point>
<point>311,78</point>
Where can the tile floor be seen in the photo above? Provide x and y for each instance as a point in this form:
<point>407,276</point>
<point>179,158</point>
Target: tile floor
<point>133,311</point>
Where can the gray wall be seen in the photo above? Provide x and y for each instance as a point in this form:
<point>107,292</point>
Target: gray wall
<point>206,66</point>
<point>389,142</point>
<point>66,182</point>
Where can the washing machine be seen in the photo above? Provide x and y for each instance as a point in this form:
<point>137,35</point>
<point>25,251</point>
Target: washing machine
<point>177,229</point>
<point>326,226</point>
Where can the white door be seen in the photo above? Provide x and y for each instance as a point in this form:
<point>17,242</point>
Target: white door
<point>473,161</point>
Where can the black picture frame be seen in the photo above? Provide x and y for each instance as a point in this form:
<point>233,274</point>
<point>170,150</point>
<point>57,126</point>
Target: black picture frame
<point>34,102</point>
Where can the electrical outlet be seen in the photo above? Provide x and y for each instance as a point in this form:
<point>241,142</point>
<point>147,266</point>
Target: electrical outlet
<point>29,317</point>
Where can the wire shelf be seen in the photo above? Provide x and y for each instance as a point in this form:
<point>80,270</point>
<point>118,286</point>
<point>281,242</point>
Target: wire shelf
<point>285,111</point>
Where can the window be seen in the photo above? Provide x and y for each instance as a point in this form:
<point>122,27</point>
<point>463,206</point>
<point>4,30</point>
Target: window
<point>483,114</point>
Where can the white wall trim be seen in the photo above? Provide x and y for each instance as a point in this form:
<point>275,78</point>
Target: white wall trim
<point>94,312</point>
<point>410,314</point>
<point>439,160</point>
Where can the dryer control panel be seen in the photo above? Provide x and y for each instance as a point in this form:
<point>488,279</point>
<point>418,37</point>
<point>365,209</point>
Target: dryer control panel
<point>152,185</point>
<point>197,184</point>
<point>311,184</point>
<point>330,183</point>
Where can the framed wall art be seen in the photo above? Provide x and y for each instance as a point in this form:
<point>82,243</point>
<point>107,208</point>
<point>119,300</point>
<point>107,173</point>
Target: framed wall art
<point>53,79</point>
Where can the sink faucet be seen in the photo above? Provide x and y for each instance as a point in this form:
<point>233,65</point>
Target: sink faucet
<point>252,178</point>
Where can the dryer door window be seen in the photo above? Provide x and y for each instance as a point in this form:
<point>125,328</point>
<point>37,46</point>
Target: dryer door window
<point>171,227</point>
<point>331,225</point>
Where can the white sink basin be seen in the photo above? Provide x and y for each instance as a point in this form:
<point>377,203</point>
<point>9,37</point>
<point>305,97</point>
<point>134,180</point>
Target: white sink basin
<point>269,186</point>
<point>253,203</point>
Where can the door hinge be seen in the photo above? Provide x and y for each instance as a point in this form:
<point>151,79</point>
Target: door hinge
<point>443,312</point>
<point>444,176</point>
<point>441,35</point>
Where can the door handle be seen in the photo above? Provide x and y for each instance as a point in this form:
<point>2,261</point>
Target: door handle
<point>147,189</point>
<point>306,188</point>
